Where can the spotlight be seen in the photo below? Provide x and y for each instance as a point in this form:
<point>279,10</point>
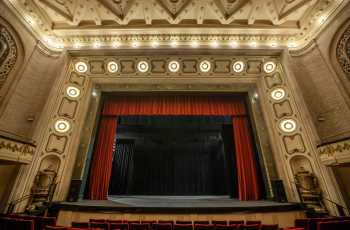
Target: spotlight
<point>233,44</point>
<point>96,45</point>
<point>273,44</point>
<point>291,45</point>
<point>214,44</point>
<point>76,45</point>
<point>253,44</point>
<point>135,44</point>
<point>173,44</point>
<point>155,44</point>
<point>116,44</point>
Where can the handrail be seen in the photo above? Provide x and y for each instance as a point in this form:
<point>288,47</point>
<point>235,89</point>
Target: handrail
<point>12,204</point>
<point>323,197</point>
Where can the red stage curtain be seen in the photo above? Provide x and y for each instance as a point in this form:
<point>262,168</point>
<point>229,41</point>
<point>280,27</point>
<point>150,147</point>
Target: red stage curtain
<point>248,182</point>
<point>175,105</point>
<point>101,167</point>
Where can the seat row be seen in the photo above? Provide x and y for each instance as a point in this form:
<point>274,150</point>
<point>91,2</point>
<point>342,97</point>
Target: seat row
<point>319,223</point>
<point>25,222</point>
<point>170,225</point>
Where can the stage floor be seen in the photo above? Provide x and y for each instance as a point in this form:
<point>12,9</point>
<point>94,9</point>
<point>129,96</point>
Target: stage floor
<point>177,204</point>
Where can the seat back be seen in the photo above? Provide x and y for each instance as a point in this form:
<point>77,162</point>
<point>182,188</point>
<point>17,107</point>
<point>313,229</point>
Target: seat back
<point>226,227</point>
<point>204,227</point>
<point>250,222</point>
<point>134,226</point>
<point>236,222</point>
<point>201,222</point>
<point>269,227</point>
<point>183,222</point>
<point>221,222</point>
<point>120,226</point>
<point>55,228</point>
<point>183,227</point>
<point>99,225</point>
<point>162,226</point>
<point>80,224</point>
<point>98,220</point>
<point>249,227</point>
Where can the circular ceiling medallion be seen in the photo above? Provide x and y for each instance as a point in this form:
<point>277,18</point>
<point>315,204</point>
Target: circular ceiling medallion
<point>174,66</point>
<point>269,67</point>
<point>238,66</point>
<point>142,66</point>
<point>204,66</point>
<point>288,125</point>
<point>278,94</point>
<point>81,67</point>
<point>112,67</point>
<point>62,126</point>
<point>73,91</point>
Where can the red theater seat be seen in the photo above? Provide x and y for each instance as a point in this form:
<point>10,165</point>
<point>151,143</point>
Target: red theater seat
<point>221,222</point>
<point>134,226</point>
<point>162,226</point>
<point>115,221</point>
<point>204,227</point>
<point>250,222</point>
<point>45,221</point>
<point>249,227</point>
<point>80,224</point>
<point>99,225</point>
<point>236,221</point>
<point>166,222</point>
<point>301,223</point>
<point>119,226</point>
<point>98,220</point>
<point>201,222</point>
<point>334,225</point>
<point>183,227</point>
<point>227,227</point>
<point>269,227</point>
<point>55,228</point>
<point>183,222</point>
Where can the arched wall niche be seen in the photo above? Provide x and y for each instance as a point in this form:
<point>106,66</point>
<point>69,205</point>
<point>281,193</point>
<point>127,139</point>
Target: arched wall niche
<point>51,162</point>
<point>300,163</point>
<point>11,57</point>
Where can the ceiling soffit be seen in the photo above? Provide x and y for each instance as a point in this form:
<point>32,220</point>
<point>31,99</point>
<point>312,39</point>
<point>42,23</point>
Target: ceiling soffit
<point>61,23</point>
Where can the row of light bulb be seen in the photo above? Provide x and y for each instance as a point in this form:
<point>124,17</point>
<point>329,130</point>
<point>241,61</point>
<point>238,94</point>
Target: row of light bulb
<point>176,44</point>
<point>174,66</point>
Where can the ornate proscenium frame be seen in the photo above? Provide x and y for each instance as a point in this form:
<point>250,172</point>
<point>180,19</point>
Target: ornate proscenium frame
<point>281,129</point>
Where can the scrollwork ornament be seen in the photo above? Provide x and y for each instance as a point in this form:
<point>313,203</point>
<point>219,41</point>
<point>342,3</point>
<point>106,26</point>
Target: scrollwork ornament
<point>343,52</point>
<point>8,54</point>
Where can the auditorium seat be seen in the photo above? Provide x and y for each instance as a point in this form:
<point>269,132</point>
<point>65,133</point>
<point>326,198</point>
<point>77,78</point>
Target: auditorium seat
<point>135,226</point>
<point>99,225</point>
<point>55,228</point>
<point>115,221</point>
<point>98,220</point>
<point>162,226</point>
<point>236,222</point>
<point>119,226</point>
<point>45,221</point>
<point>334,225</point>
<point>221,222</point>
<point>269,227</point>
<point>250,222</point>
<point>249,227</point>
<point>183,227</point>
<point>166,222</point>
<point>183,222</point>
<point>204,227</point>
<point>226,227</point>
<point>80,224</point>
<point>201,222</point>
<point>301,223</point>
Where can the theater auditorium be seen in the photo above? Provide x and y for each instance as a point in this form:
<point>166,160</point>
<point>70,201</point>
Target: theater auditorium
<point>174,114</point>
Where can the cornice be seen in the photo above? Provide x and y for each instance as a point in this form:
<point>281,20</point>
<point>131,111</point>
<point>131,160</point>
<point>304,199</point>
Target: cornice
<point>227,35</point>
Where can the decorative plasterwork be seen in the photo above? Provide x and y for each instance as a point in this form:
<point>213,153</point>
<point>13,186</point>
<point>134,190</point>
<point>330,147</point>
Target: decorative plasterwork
<point>12,150</point>
<point>8,54</point>
<point>335,153</point>
<point>80,23</point>
<point>343,52</point>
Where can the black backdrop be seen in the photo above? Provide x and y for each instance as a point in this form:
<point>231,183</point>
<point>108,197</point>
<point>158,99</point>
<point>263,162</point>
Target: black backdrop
<point>174,155</point>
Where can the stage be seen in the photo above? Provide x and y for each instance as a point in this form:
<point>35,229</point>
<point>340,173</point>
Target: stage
<point>179,208</point>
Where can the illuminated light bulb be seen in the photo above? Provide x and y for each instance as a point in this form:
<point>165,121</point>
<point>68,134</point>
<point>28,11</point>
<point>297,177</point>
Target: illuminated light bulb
<point>233,44</point>
<point>194,44</point>
<point>76,45</point>
<point>116,44</point>
<point>273,44</point>
<point>322,18</point>
<point>173,44</point>
<point>135,44</point>
<point>291,45</point>
<point>155,44</point>
<point>94,93</point>
<point>253,44</point>
<point>96,45</point>
<point>214,44</point>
